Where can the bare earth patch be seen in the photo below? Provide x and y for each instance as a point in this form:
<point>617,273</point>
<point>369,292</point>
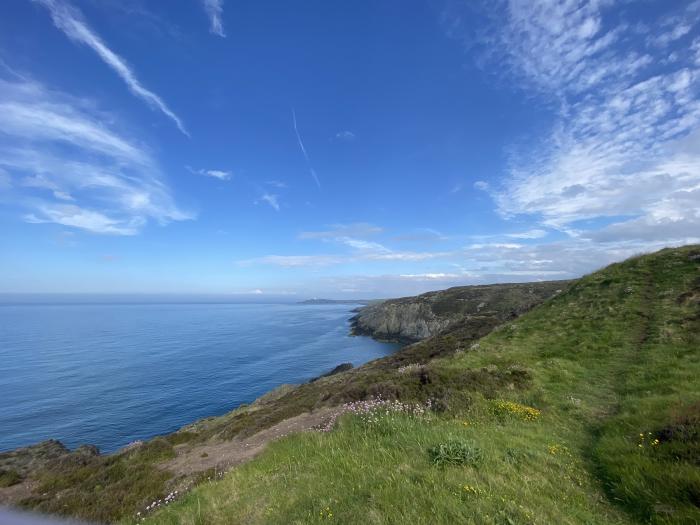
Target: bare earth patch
<point>222,455</point>
<point>16,492</point>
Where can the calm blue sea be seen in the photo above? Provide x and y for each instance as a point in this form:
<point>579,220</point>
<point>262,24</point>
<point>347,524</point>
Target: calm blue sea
<point>109,374</point>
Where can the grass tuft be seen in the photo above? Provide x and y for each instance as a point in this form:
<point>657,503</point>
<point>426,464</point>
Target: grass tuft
<point>455,453</point>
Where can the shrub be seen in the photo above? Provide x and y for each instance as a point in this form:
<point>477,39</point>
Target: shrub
<point>506,409</point>
<point>9,478</point>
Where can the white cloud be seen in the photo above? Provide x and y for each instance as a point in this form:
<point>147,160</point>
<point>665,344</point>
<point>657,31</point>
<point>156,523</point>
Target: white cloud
<point>69,20</point>
<point>215,10</point>
<point>618,150</point>
<point>272,200</point>
<point>362,245</point>
<point>502,245</point>
<point>672,35</point>
<point>294,261</point>
<point>58,149</point>
<point>217,174</point>
<point>94,221</point>
<point>431,276</point>
<point>357,229</point>
<point>345,136</point>
<point>481,185</point>
<point>406,256</point>
<point>368,250</point>
<point>361,251</point>
<point>530,234</point>
<point>424,235</point>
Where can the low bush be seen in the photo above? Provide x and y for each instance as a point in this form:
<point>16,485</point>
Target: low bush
<point>9,478</point>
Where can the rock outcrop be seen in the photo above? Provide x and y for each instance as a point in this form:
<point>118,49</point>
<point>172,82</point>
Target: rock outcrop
<point>412,319</point>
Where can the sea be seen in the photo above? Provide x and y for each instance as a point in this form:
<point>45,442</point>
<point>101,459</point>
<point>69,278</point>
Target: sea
<point>109,373</point>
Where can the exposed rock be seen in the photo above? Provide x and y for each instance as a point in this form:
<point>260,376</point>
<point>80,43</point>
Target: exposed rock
<point>337,370</point>
<point>30,459</point>
<point>25,461</point>
<point>412,319</point>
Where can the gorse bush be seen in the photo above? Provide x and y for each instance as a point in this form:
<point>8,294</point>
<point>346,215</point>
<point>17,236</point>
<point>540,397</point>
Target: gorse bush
<point>509,409</point>
<point>455,453</point>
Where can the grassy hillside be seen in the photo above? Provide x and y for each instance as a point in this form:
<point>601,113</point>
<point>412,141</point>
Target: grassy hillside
<point>412,319</point>
<point>584,410</point>
<point>105,488</point>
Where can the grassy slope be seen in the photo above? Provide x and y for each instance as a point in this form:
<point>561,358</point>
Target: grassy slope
<point>106,488</point>
<point>614,357</point>
<point>443,309</point>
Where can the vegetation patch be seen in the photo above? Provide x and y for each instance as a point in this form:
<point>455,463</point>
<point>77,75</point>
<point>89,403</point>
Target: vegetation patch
<point>611,361</point>
<point>9,478</point>
<point>509,409</point>
<point>455,453</point>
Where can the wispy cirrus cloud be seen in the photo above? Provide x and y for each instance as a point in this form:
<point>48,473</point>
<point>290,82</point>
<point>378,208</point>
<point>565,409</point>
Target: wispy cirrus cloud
<point>215,11</point>
<point>623,153</point>
<point>356,251</point>
<point>272,200</point>
<point>345,136</point>
<point>68,167</point>
<point>355,229</point>
<point>294,261</point>
<point>535,233</point>
<point>70,20</point>
<point>216,174</point>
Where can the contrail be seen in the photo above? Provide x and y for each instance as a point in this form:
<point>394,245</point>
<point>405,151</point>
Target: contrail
<point>303,150</point>
<point>69,20</point>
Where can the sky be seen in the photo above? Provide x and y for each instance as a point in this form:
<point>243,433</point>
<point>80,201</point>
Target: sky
<point>325,148</point>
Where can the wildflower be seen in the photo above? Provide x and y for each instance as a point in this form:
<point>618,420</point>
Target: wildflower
<point>372,410</point>
<point>471,490</point>
<point>510,408</point>
<point>555,449</point>
<point>413,367</point>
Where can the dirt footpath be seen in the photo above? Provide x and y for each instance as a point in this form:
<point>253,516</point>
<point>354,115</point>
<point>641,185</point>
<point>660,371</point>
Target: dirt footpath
<point>223,455</point>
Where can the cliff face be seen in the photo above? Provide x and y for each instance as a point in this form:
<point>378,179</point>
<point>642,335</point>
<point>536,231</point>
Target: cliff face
<point>412,319</point>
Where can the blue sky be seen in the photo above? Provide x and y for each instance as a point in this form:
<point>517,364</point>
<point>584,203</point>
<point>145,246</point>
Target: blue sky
<point>343,149</point>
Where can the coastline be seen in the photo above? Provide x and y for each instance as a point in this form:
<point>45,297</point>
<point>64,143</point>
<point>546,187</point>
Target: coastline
<point>174,462</point>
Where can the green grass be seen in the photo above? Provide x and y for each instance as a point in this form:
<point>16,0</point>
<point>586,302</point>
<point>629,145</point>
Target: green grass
<point>107,488</point>
<point>9,478</point>
<point>616,356</point>
<point>97,488</point>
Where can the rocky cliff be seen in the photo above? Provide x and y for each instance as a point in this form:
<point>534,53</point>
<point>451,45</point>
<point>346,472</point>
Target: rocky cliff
<point>412,319</point>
